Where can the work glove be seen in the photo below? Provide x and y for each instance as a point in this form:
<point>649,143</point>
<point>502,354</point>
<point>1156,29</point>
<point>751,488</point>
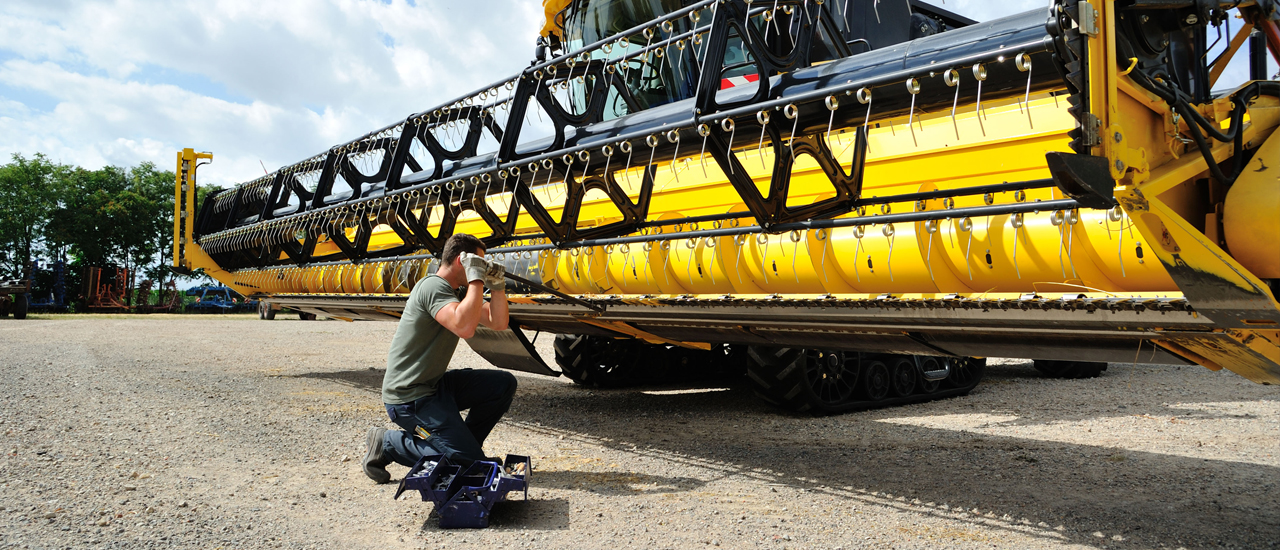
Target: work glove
<point>495,278</point>
<point>474,266</point>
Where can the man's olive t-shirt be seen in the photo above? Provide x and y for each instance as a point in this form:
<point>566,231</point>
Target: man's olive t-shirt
<point>422,347</point>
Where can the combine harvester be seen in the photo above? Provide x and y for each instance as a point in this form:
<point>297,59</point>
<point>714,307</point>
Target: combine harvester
<point>853,200</point>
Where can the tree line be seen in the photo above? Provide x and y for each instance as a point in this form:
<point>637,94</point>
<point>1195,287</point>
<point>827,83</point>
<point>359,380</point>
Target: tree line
<point>108,217</point>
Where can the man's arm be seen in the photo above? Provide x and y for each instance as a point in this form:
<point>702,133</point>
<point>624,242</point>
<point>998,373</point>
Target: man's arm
<point>494,312</point>
<point>462,317</point>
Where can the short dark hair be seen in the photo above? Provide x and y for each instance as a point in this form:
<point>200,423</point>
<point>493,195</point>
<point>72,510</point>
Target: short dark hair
<point>459,243</point>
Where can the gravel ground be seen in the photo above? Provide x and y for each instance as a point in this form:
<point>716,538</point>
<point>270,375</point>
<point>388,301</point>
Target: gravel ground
<point>186,431</point>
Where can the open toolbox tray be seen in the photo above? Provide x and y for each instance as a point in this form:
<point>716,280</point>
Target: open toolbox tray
<point>465,497</point>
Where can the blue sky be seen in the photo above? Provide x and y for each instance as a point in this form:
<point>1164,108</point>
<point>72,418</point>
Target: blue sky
<point>96,82</point>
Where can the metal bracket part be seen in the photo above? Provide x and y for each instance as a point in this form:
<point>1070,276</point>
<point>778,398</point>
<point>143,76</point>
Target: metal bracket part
<point>1085,178</point>
<point>1088,19</point>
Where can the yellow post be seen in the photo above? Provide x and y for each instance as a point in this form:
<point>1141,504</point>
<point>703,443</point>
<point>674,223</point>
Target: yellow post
<point>184,205</point>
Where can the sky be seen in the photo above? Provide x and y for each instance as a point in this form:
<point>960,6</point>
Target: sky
<point>260,83</point>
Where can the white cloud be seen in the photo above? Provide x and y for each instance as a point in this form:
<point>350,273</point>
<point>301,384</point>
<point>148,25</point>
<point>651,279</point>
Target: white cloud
<point>135,80</point>
<point>94,82</point>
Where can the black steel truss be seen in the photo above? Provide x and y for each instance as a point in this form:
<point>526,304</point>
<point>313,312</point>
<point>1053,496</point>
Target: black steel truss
<point>256,223</point>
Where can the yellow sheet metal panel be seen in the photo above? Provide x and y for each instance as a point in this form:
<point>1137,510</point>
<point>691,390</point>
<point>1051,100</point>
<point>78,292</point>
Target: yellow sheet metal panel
<point>1225,351</point>
<point>1251,215</point>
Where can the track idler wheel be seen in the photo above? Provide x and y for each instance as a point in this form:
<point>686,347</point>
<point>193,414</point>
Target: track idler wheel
<point>1070,369</point>
<point>966,372</point>
<point>829,382</point>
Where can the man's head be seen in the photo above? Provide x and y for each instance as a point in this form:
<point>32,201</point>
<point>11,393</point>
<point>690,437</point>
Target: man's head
<point>457,244</point>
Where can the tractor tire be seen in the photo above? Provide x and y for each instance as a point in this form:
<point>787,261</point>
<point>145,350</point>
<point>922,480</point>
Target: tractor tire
<point>813,381</point>
<point>20,306</point>
<point>1069,370</point>
<point>265,311</point>
<point>603,362</point>
<point>600,361</point>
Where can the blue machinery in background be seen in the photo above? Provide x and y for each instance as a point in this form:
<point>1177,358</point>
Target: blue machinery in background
<point>219,299</point>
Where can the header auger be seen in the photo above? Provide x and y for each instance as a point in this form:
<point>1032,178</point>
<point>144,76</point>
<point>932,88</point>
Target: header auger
<point>852,199</point>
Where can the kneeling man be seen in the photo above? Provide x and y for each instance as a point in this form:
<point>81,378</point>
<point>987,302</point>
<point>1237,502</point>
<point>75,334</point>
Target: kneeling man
<point>421,395</point>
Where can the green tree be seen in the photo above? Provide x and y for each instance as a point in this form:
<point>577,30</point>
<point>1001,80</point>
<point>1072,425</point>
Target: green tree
<point>28,196</point>
<point>113,216</point>
<point>89,215</point>
<point>151,241</point>
<point>104,217</point>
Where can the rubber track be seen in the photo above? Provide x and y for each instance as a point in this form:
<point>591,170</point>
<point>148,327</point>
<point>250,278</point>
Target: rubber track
<point>781,380</point>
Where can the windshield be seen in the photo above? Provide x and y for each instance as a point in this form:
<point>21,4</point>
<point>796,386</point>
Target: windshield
<point>662,75</point>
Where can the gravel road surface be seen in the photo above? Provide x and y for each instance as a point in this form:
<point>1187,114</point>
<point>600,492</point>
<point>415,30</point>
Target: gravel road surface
<point>202,431</point>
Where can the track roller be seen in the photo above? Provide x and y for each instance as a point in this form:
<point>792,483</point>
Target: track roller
<point>904,376</point>
<point>829,382</point>
<point>875,385</point>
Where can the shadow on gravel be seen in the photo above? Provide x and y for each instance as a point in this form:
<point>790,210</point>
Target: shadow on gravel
<point>550,514</point>
<point>1015,483</point>
<point>365,379</point>
<point>614,483</point>
<point>1132,402</point>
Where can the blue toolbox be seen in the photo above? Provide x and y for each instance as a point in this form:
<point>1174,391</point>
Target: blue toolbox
<point>464,497</point>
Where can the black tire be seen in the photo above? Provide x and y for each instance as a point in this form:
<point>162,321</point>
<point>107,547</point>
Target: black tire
<point>570,350</point>
<point>600,361</point>
<point>813,381</point>
<point>20,306</point>
<point>875,380</point>
<point>904,376</point>
<point>1069,369</point>
<point>306,316</point>
<point>605,362</point>
<point>265,311</point>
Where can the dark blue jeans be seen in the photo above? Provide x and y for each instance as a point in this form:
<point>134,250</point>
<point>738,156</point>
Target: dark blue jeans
<point>487,393</point>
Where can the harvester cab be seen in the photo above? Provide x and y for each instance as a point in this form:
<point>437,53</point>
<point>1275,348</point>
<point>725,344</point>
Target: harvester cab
<point>852,202</point>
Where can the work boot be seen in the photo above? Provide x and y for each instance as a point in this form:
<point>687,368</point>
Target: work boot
<point>375,464</point>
